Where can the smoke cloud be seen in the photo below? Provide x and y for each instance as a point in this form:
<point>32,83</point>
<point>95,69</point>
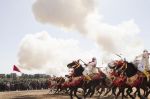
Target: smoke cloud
<point>64,13</point>
<point>84,16</point>
<point>42,52</point>
<point>122,38</point>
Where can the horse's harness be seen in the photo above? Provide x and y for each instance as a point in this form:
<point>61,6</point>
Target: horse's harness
<point>77,64</point>
<point>124,66</point>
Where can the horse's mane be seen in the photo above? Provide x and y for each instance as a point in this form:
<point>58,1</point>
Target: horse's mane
<point>131,70</point>
<point>78,71</point>
<point>70,64</point>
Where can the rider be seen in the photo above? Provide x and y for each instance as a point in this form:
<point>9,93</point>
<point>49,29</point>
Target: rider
<point>90,68</point>
<point>144,63</point>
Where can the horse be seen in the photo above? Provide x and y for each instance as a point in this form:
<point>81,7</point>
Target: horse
<point>118,81</point>
<point>105,84</point>
<point>133,77</point>
<point>76,80</point>
<point>97,79</point>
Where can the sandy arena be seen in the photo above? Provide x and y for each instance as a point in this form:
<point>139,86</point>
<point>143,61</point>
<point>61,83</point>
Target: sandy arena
<point>40,94</point>
<point>37,94</point>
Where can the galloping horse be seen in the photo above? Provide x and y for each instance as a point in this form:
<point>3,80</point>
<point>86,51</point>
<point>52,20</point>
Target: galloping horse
<point>97,80</point>
<point>76,80</point>
<point>134,78</point>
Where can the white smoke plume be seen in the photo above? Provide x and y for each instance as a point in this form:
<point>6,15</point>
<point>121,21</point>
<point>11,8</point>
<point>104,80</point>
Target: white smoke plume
<point>122,38</point>
<point>63,13</point>
<point>83,15</point>
<point>42,52</point>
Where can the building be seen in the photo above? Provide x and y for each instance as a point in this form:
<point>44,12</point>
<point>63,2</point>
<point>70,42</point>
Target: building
<point>2,75</point>
<point>13,75</point>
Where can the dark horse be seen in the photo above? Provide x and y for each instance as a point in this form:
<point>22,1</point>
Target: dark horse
<point>77,79</point>
<point>133,77</point>
<point>97,80</point>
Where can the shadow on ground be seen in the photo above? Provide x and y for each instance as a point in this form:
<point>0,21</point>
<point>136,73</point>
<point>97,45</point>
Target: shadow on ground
<point>26,97</point>
<point>57,96</point>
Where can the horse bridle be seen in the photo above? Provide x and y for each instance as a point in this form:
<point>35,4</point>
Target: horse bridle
<point>124,66</point>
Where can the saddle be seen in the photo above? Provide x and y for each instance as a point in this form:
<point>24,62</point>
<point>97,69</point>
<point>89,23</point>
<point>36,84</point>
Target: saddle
<point>119,81</point>
<point>96,76</point>
<point>134,80</point>
<point>73,82</point>
<point>141,74</point>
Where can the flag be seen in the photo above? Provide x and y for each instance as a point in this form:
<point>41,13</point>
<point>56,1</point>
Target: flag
<point>15,68</point>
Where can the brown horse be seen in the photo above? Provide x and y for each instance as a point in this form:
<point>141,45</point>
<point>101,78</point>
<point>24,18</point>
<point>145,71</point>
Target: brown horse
<point>133,77</point>
<point>76,80</point>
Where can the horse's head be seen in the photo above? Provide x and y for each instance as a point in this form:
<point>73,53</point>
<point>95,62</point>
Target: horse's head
<point>111,65</point>
<point>78,69</point>
<point>115,64</point>
<point>124,67</point>
<point>73,64</point>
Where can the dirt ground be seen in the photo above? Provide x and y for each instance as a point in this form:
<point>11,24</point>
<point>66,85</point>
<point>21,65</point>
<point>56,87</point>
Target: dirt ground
<point>36,94</point>
<point>40,94</point>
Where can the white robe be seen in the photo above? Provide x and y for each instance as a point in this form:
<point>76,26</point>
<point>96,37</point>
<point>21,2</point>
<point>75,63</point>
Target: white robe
<point>91,68</point>
<point>144,62</point>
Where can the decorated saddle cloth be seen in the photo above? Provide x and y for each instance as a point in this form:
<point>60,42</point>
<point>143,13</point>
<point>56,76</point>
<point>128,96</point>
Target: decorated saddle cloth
<point>74,82</point>
<point>134,80</point>
<point>96,76</point>
<point>119,81</point>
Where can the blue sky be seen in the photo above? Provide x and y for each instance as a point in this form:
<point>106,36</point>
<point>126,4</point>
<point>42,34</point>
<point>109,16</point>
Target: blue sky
<point>17,20</point>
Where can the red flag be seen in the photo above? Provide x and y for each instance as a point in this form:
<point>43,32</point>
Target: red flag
<point>15,68</point>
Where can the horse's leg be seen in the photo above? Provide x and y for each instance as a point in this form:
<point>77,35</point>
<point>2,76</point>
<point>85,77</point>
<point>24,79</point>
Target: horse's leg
<point>100,92</point>
<point>56,90</point>
<point>97,89</point>
<point>50,90</point>
<point>145,91</point>
<point>84,92</point>
<point>108,90</point>
<point>120,91</point>
<point>87,89</point>
<point>92,92</point>
<point>114,90</point>
<point>71,90</point>
<point>129,91</point>
<point>135,93</point>
<point>123,90</point>
<point>66,91</point>
<point>139,94</point>
<point>88,92</point>
<point>148,92</point>
<point>75,93</point>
